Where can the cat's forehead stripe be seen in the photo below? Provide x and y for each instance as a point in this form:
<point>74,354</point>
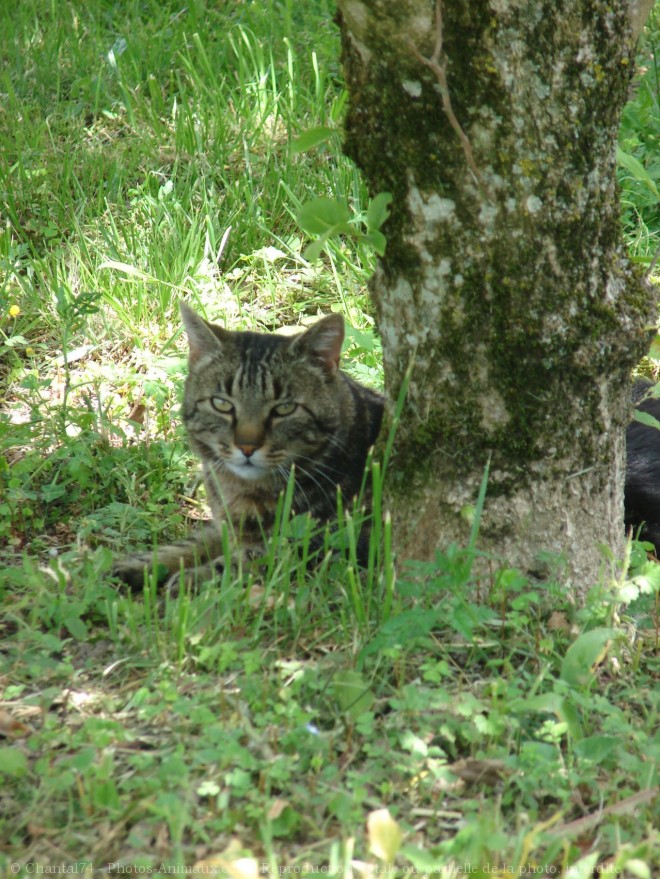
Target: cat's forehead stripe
<point>255,372</point>
<point>253,376</point>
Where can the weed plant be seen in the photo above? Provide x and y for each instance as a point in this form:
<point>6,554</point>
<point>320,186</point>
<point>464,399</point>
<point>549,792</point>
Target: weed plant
<point>149,152</point>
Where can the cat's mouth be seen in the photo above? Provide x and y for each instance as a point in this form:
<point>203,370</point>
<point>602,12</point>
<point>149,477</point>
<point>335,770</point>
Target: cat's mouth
<point>248,469</point>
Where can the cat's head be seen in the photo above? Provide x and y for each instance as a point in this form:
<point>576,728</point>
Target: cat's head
<point>256,403</point>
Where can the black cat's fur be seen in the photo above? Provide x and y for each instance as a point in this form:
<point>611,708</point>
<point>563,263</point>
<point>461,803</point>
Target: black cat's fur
<point>642,490</point>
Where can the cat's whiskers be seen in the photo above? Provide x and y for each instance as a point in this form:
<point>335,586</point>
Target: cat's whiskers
<point>298,489</point>
<point>333,440</point>
<point>309,475</point>
<point>218,463</point>
<point>324,470</point>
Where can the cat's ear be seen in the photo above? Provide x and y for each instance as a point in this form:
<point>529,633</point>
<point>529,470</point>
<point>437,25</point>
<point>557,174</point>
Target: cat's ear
<point>323,341</point>
<point>201,338</point>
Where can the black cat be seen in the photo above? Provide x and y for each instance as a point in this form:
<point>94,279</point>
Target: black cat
<point>642,490</point>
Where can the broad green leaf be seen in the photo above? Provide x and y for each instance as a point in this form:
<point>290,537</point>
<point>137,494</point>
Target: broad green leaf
<point>378,241</point>
<point>378,212</point>
<point>568,713</point>
<point>646,418</point>
<point>647,578</point>
<point>638,171</point>
<point>596,748</point>
<point>340,805</point>
<point>584,655</point>
<point>543,702</point>
<point>12,761</point>
<point>286,822</point>
<point>462,619</point>
<point>424,862</point>
<point>655,348</point>
<point>14,341</point>
<point>352,692</point>
<point>315,248</point>
<point>105,794</point>
<point>323,216</point>
<point>83,760</point>
<point>313,137</point>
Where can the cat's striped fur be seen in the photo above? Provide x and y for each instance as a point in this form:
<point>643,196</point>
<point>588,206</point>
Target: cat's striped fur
<point>254,405</point>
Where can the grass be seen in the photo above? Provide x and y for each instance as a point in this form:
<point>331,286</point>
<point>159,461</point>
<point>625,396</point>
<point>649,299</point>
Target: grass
<point>146,155</point>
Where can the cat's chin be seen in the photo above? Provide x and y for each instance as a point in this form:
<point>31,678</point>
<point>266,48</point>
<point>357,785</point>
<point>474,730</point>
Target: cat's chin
<point>249,472</point>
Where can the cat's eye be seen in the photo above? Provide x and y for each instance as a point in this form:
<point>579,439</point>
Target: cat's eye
<point>283,409</point>
<point>221,405</point>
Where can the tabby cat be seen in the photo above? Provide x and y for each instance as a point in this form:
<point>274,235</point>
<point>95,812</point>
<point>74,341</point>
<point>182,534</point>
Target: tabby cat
<point>254,406</point>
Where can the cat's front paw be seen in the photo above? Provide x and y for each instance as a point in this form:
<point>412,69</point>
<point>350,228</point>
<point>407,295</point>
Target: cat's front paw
<point>191,578</point>
<point>135,570</point>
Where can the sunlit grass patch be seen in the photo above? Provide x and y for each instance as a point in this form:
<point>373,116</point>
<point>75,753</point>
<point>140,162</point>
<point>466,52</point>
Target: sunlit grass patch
<point>147,155</point>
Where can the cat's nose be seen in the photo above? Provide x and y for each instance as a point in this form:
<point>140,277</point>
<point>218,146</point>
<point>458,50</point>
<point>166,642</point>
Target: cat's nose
<point>248,449</point>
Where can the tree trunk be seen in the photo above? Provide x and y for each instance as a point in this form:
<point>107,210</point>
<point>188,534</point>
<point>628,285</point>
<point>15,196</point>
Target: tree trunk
<point>493,123</point>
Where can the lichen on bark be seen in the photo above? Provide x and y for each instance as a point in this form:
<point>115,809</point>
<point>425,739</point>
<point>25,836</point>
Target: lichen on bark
<point>505,282</point>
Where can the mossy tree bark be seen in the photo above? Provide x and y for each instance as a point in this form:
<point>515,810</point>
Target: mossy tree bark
<point>494,124</point>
